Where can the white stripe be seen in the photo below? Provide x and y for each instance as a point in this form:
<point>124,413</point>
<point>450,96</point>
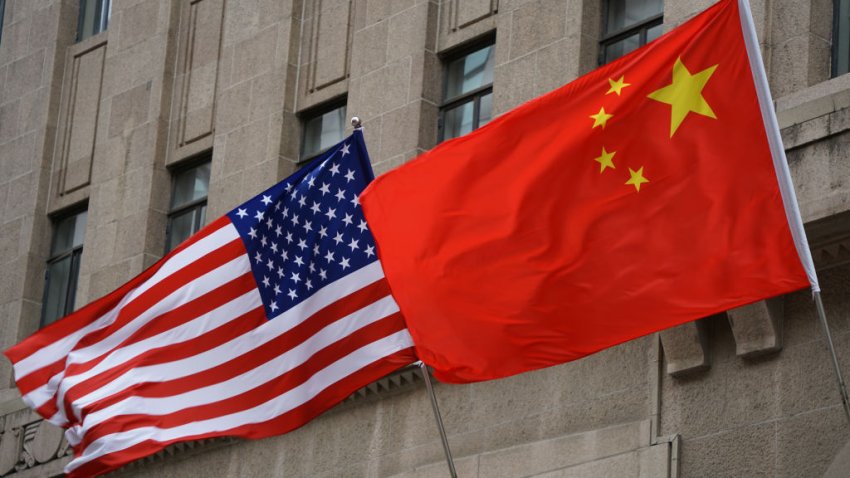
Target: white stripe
<point>192,290</point>
<point>174,337</point>
<point>236,347</point>
<point>269,410</point>
<point>59,349</point>
<point>262,374</point>
<point>774,139</point>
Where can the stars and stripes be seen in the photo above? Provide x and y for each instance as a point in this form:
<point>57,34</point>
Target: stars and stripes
<point>261,321</point>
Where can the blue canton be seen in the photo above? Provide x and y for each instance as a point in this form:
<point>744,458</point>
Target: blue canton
<point>309,230</point>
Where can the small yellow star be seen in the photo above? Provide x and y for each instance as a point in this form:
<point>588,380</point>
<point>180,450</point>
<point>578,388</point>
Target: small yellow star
<point>601,118</point>
<point>605,160</point>
<point>637,178</point>
<point>618,85</point>
<point>684,94</point>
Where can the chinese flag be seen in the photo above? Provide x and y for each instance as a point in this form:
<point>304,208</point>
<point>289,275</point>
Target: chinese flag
<point>636,198</point>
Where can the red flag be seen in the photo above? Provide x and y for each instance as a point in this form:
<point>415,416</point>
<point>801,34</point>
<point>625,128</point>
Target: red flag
<point>252,327</point>
<point>638,197</point>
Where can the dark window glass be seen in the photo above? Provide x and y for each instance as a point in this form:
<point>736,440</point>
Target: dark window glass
<point>629,24</point>
<point>468,100</point>
<point>841,41</point>
<point>322,131</point>
<point>188,212</point>
<point>2,10</point>
<point>63,267</point>
<point>94,17</point>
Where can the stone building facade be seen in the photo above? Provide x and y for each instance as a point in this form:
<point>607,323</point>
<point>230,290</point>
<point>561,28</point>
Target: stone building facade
<point>105,106</point>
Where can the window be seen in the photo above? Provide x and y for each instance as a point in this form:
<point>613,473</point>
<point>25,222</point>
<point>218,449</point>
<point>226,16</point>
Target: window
<point>322,130</point>
<point>841,40</point>
<point>188,212</point>
<point>94,18</point>
<point>629,24</point>
<point>2,10</point>
<point>468,103</point>
<point>63,267</point>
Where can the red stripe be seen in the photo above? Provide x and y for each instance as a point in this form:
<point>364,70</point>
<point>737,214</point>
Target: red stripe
<point>40,376</point>
<point>254,358</point>
<point>259,394</point>
<point>166,287</point>
<point>284,423</point>
<point>168,353</point>
<point>79,319</point>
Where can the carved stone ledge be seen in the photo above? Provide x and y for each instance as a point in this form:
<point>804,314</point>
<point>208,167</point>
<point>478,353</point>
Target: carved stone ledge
<point>685,349</point>
<point>757,327</point>
<point>28,442</point>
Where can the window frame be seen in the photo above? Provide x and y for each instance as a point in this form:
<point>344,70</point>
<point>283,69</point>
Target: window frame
<point>641,28</point>
<point>75,253</point>
<point>839,37</point>
<point>312,113</point>
<point>473,96</point>
<point>101,17</point>
<point>196,162</point>
<point>2,17</point>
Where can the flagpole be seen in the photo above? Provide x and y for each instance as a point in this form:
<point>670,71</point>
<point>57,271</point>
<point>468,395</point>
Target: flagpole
<point>427,376</point>
<point>786,187</point>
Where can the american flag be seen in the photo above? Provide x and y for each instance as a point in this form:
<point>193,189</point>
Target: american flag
<point>258,323</point>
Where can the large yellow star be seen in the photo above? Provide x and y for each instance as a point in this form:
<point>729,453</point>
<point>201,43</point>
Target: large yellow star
<point>617,85</point>
<point>684,95</point>
<point>601,118</point>
<point>637,178</point>
<point>605,160</point>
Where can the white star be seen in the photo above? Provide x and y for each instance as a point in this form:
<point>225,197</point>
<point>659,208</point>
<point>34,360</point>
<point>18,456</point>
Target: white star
<point>299,261</point>
<point>276,289</point>
<point>284,255</point>
<point>289,188</point>
<point>331,214</point>
<point>362,226</point>
<point>269,223</point>
<point>345,149</point>
<point>316,250</point>
<point>325,188</point>
<point>334,170</point>
<point>266,200</point>
<point>278,231</point>
<point>302,244</point>
<point>294,219</point>
<point>308,226</point>
<point>292,295</point>
<point>266,281</point>
<point>348,219</point>
<point>286,212</point>
<point>323,232</point>
<point>338,238</point>
<point>259,216</point>
<point>329,256</point>
<point>309,284</point>
<point>302,201</point>
<point>349,176</point>
<point>270,264</point>
<point>311,181</point>
<point>313,266</point>
<point>258,258</point>
<point>344,263</point>
<point>289,237</point>
<point>274,247</point>
<point>353,245</point>
<point>277,206</point>
<point>264,241</point>
<point>241,213</point>
<point>273,306</point>
<point>253,233</point>
<point>340,195</point>
<point>323,274</point>
<point>355,201</point>
<point>279,272</point>
<point>370,251</point>
<point>315,208</point>
<point>295,277</point>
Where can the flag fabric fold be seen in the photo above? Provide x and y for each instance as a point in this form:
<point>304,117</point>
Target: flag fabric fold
<point>638,197</point>
<point>261,321</point>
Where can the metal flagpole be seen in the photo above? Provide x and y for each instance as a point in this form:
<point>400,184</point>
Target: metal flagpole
<point>427,376</point>
<point>842,388</point>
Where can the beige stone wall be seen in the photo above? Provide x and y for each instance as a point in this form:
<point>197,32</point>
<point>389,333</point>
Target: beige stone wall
<point>104,121</point>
